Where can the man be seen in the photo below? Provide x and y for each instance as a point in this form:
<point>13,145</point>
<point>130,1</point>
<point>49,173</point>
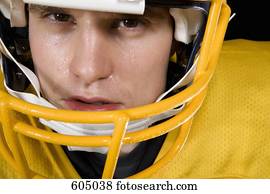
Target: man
<point>98,68</point>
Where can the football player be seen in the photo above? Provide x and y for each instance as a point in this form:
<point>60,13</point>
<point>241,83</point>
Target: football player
<point>104,89</point>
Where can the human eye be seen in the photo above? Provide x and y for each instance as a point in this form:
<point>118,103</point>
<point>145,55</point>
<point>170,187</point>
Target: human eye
<point>130,23</point>
<point>53,14</point>
<point>59,17</point>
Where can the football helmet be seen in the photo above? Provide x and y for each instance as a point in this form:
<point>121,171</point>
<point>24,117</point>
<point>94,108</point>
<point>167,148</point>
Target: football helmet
<point>199,25</point>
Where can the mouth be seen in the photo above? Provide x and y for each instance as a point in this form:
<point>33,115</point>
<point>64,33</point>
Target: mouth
<point>92,104</point>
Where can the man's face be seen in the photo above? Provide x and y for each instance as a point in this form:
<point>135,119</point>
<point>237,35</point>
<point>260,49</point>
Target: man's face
<point>97,61</point>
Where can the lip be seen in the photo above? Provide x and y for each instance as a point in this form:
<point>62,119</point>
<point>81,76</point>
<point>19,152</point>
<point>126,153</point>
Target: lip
<point>91,104</point>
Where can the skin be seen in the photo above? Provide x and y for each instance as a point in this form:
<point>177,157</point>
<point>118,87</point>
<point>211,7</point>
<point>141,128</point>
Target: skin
<point>95,56</point>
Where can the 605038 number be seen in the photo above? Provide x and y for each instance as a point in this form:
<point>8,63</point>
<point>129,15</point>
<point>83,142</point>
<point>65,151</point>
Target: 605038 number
<point>91,185</point>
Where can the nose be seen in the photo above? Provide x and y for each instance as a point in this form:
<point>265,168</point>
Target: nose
<point>91,61</point>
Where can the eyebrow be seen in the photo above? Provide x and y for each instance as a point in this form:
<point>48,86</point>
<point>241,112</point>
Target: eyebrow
<point>43,8</point>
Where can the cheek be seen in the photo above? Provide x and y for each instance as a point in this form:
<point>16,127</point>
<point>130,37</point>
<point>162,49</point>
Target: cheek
<point>144,67</point>
<point>48,53</point>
